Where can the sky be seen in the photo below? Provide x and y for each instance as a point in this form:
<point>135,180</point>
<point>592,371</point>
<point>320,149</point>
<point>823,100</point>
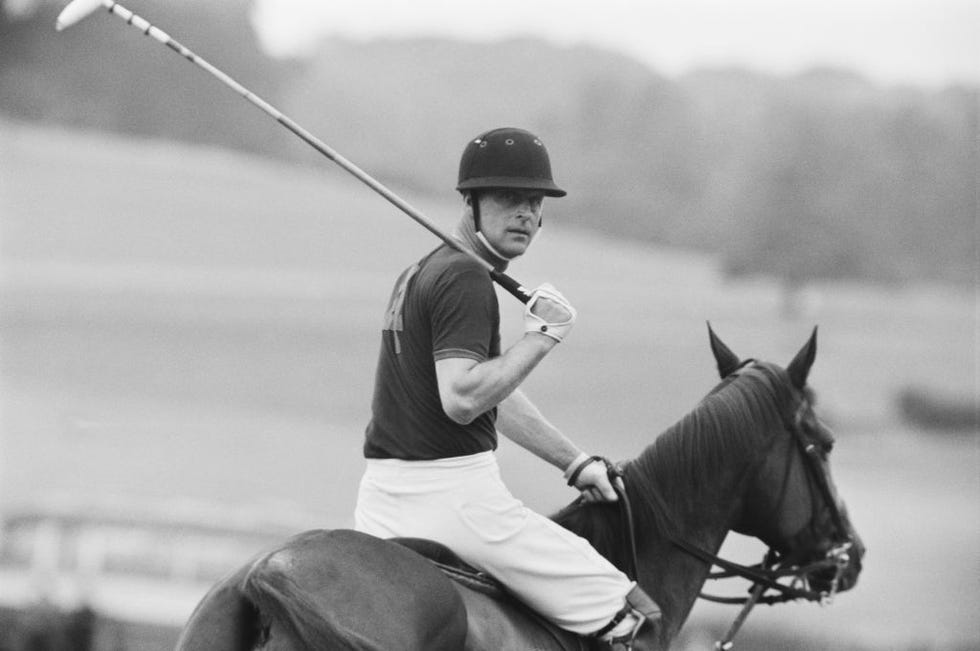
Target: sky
<point>923,42</point>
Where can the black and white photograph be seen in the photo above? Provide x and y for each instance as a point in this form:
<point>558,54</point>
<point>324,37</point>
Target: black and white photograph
<point>509,326</point>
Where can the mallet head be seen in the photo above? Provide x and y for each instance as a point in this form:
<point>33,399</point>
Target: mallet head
<point>77,10</point>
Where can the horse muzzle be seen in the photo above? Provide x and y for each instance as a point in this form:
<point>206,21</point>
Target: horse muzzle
<point>838,571</point>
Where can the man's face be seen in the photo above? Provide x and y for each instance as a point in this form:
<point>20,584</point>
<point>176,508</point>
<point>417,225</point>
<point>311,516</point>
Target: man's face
<point>510,218</point>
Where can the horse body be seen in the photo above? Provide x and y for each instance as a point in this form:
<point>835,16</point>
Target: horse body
<point>336,589</point>
<point>751,458</point>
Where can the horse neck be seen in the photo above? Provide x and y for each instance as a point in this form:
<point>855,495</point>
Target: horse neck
<point>694,503</point>
<point>670,576</point>
<point>673,577</point>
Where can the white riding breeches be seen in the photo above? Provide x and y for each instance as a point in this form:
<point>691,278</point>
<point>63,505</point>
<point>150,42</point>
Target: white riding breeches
<point>462,503</point>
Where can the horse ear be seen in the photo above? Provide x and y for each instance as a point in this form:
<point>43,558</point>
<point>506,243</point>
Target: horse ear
<point>799,368</point>
<point>727,360</point>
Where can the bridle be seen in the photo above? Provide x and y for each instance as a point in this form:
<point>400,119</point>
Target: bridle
<point>766,575</point>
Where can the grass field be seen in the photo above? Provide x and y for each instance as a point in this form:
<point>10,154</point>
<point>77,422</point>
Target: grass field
<point>188,322</point>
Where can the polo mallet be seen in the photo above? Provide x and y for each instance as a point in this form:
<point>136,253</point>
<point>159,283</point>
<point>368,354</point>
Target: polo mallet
<point>79,9</point>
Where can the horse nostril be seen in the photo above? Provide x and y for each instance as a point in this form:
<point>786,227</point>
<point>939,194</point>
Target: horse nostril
<point>858,548</point>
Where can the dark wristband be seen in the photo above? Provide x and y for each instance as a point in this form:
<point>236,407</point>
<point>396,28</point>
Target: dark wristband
<point>578,470</point>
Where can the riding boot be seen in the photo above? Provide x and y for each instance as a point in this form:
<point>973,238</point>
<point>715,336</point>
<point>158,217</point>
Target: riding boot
<point>621,632</point>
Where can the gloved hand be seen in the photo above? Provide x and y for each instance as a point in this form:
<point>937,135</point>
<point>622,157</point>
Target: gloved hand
<point>549,313</point>
<point>590,475</point>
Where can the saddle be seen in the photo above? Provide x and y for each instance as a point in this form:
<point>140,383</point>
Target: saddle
<point>455,567</point>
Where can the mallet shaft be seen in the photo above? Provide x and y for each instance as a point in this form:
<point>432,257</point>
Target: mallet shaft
<point>140,23</point>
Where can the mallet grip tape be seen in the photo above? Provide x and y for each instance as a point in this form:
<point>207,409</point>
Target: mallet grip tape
<point>512,286</point>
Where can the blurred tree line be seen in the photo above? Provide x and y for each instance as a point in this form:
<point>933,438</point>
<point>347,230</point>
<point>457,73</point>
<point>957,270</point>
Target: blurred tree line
<point>821,175</point>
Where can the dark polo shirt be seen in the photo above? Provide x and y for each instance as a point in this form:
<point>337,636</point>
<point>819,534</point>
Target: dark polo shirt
<point>443,307</point>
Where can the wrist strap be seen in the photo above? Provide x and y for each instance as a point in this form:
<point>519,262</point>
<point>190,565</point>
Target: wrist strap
<point>572,478</point>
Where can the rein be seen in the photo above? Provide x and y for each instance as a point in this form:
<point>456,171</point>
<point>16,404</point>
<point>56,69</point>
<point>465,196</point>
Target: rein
<point>766,575</point>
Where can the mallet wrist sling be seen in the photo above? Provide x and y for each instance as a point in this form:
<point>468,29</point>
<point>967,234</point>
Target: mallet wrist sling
<point>576,467</point>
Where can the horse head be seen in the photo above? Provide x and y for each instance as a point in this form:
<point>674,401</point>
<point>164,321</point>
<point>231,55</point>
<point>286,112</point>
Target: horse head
<point>791,502</point>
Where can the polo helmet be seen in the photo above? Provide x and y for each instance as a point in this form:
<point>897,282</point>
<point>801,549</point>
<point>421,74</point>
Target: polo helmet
<point>507,158</point>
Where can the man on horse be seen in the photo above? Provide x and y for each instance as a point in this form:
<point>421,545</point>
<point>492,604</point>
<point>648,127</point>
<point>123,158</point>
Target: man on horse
<point>444,388</point>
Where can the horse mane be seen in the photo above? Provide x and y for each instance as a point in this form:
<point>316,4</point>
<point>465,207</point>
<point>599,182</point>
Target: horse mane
<point>727,429</point>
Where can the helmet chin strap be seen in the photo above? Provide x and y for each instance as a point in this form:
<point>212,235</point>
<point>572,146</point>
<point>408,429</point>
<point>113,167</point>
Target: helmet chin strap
<point>475,204</point>
<point>485,242</point>
<point>468,232</point>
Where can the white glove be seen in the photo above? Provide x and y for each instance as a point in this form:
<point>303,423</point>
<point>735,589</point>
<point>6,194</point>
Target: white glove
<point>549,313</point>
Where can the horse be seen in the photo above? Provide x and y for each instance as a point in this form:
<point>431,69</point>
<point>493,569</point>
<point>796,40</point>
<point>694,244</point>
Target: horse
<point>751,457</point>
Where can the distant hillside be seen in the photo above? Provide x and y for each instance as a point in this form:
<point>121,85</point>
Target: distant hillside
<point>103,74</point>
<point>143,276</point>
<point>822,175</point>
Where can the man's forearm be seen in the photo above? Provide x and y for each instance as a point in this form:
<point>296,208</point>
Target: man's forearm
<point>520,421</point>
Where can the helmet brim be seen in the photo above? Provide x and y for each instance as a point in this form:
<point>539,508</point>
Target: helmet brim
<point>545,186</point>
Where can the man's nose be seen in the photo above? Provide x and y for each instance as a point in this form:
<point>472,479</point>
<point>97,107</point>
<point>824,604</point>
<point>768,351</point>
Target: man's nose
<point>526,210</point>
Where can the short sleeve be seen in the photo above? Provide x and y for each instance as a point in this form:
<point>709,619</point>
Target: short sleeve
<point>464,314</point>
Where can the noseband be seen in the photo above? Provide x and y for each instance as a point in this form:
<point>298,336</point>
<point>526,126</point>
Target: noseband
<point>766,575</point>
